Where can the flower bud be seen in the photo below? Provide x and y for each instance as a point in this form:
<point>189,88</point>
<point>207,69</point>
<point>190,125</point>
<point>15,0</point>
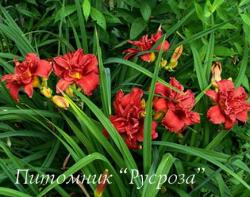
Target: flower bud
<point>60,102</point>
<point>70,90</point>
<point>177,53</point>
<point>44,82</point>
<point>174,59</point>
<point>47,92</point>
<point>172,65</point>
<point>102,184</point>
<point>163,63</point>
<point>216,70</point>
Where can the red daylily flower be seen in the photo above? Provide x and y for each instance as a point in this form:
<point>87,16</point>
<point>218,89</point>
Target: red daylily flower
<point>25,75</point>
<point>77,68</point>
<point>129,117</point>
<point>144,44</point>
<point>176,107</point>
<point>230,106</point>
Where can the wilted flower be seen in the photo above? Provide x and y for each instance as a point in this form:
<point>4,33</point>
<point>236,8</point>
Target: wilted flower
<point>77,68</point>
<point>175,107</point>
<point>60,101</point>
<point>145,44</point>
<point>230,106</point>
<point>216,70</point>
<point>26,75</point>
<point>129,117</point>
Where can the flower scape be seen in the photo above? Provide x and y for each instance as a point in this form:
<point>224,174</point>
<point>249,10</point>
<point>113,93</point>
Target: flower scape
<point>160,100</point>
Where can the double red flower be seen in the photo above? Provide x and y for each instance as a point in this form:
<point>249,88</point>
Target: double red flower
<point>77,68</point>
<point>129,117</point>
<point>26,74</point>
<point>144,44</point>
<point>230,106</point>
<point>176,107</point>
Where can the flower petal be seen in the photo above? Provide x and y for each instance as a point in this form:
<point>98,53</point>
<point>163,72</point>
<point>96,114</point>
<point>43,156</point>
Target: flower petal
<point>28,89</point>
<point>229,124</point>
<point>14,90</point>
<point>64,60</point>
<point>212,95</point>
<point>8,77</point>
<point>139,135</point>
<point>147,57</point>
<point>130,53</point>
<point>44,69</point>
<point>118,122</point>
<point>76,58</point>
<point>58,69</point>
<point>154,132</point>
<point>225,85</point>
<point>133,98</point>
<point>88,63</point>
<point>172,122</point>
<point>165,46</point>
<point>160,104</point>
<point>173,82</point>
<point>89,83</point>
<point>155,37</point>
<point>117,102</point>
<point>192,118</point>
<point>161,89</point>
<point>215,115</point>
<point>62,85</point>
<point>240,93</point>
<point>186,100</point>
<point>132,143</point>
<point>242,116</point>
<point>32,57</point>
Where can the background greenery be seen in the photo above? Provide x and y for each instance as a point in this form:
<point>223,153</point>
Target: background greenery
<point>35,134</point>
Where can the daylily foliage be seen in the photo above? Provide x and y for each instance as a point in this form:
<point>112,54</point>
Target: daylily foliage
<point>138,98</point>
